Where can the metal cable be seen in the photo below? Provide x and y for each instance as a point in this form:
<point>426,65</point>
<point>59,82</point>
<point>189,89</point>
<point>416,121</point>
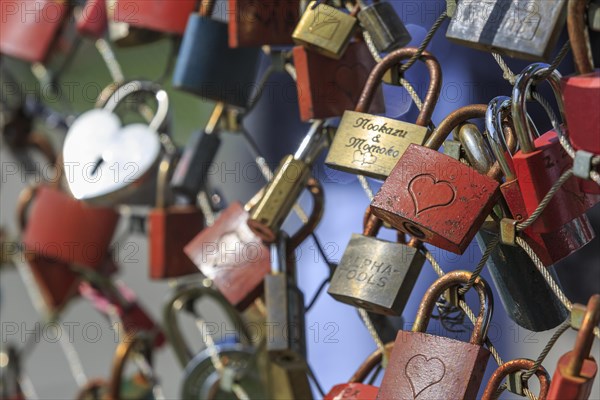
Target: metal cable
<point>372,331</point>
<point>477,271</point>
<point>557,334</point>
<point>436,25</point>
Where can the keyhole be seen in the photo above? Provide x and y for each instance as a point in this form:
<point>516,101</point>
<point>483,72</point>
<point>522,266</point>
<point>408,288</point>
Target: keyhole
<point>98,164</point>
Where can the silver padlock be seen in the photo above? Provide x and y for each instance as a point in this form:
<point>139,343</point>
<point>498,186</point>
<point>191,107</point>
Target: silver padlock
<point>384,25</point>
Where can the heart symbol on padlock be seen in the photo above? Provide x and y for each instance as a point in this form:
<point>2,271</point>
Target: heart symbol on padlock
<point>427,192</point>
<point>423,372</point>
<point>102,157</point>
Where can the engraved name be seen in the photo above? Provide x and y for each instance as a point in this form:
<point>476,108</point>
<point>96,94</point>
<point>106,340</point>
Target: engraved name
<point>361,144</point>
<point>365,123</point>
<point>371,271</point>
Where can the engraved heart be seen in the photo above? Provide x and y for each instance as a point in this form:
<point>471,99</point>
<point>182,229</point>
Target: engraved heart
<point>423,373</point>
<point>428,193</point>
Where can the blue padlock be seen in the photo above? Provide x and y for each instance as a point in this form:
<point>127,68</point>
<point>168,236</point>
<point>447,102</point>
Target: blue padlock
<point>207,67</point>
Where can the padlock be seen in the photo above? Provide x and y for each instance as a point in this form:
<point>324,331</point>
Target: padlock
<point>258,23</point>
<point>157,15</point>
<point>325,30</point>
<point>138,387</point>
<point>170,228</point>
<point>372,145</point>
<point>436,367</point>
<point>10,373</point>
<point>375,274</point>
<point>29,29</point>
<point>191,172</point>
<point>576,370</point>
<point>436,198</point>
<point>385,26</point>
<point>93,21</point>
<point>540,162</point>
<point>208,68</point>
<point>326,87</point>
<point>292,176</point>
<point>105,162</point>
<point>527,30</point>
<point>513,370</point>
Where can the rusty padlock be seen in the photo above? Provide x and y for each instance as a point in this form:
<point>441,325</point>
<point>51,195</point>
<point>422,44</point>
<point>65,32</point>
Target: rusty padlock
<point>375,274</point>
<point>437,367</point>
<point>93,20</point>
<point>371,145</point>
<point>207,67</point>
<point>258,23</point>
<point>170,228</point>
<point>513,369</point>
<point>157,15</point>
<point>576,370</point>
<point>327,87</point>
<point>436,198</point>
<point>29,28</point>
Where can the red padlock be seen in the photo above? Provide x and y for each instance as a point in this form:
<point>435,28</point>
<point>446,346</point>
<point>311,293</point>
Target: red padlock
<point>435,198</point>
<point>29,28</point>
<point>328,87</point>
<point>67,230</point>
<point>575,373</point>
<point>513,370</point>
<point>539,163</point>
<point>93,21</point>
<point>157,15</point>
<point>258,23</point>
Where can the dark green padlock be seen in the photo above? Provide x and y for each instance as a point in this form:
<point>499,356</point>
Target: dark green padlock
<point>207,67</point>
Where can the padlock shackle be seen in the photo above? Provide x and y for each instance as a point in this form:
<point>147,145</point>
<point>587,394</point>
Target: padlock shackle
<point>312,143</point>
<point>182,297</point>
<point>370,363</point>
<point>206,8</point>
<point>512,367</point>
<point>371,224</point>
<point>532,75</point>
<point>453,279</point>
<point>493,125</point>
<point>579,36</point>
<point>585,337</point>
<point>129,88</point>
<point>454,119</point>
<point>376,76</point>
<point>476,149</point>
<point>138,343</point>
<point>316,190</point>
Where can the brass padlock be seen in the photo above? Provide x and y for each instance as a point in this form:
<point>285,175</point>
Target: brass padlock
<point>375,274</point>
<point>139,386</point>
<point>384,26</point>
<point>371,145</point>
<point>325,30</point>
<point>523,29</point>
<point>292,176</point>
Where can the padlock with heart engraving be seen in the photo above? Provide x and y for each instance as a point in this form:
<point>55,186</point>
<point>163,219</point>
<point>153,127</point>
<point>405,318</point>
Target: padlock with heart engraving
<point>515,28</point>
<point>436,198</point>
<point>513,370</point>
<point>325,30</point>
<point>282,192</point>
<point>157,15</point>
<point>208,68</point>
<point>384,26</point>
<point>105,162</point>
<point>576,370</point>
<point>258,23</point>
<point>539,163</point>
<point>93,20</point>
<point>375,274</point>
<point>29,29</point>
<point>326,87</point>
<point>436,367</point>
<point>170,228</point>
<point>371,145</point>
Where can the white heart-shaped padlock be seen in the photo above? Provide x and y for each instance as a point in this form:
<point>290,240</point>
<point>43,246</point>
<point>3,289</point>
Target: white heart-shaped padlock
<point>104,161</point>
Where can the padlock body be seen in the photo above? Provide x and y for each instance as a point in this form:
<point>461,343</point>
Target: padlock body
<point>537,172</point>
<point>258,23</point>
<point>513,28</point>
<point>385,27</point>
<point>327,88</point>
<point>565,386</point>
<point>64,229</point>
<point>230,254</point>
<point>208,68</point>
<point>56,282</point>
<point>433,367</point>
<point>325,30</point>
<point>169,231</point>
<point>376,275</point>
<point>157,15</point>
<point>94,19</point>
<point>192,169</point>
<point>352,391</point>
<point>29,28</point>
<point>581,93</point>
<point>371,145</point>
<point>436,199</point>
